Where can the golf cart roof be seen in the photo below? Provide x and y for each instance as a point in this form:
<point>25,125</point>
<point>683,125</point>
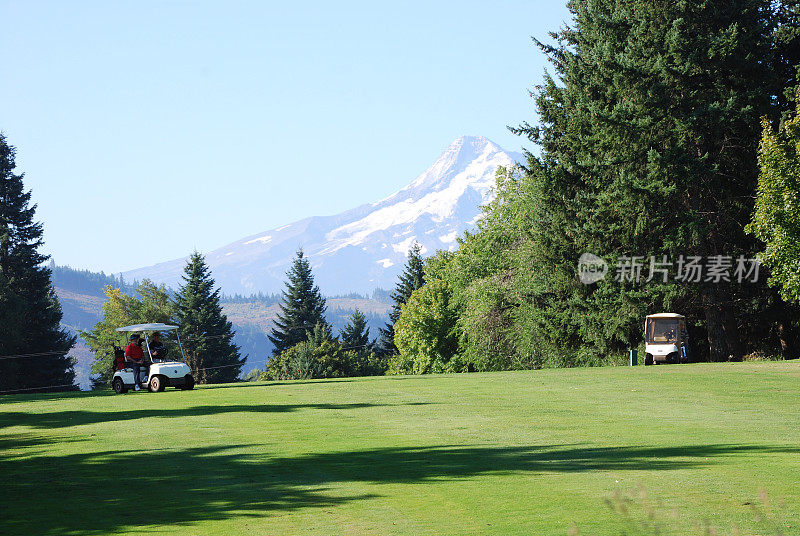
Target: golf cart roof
<point>148,327</point>
<point>665,315</point>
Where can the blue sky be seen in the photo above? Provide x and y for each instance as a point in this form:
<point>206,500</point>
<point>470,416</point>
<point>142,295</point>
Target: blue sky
<point>149,129</point>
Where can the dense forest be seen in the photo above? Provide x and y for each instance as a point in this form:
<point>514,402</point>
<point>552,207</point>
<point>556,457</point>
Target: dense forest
<point>86,281</point>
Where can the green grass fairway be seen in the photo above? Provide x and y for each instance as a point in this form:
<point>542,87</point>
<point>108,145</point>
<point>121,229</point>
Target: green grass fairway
<point>534,452</point>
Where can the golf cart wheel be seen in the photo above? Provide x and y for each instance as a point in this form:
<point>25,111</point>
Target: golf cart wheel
<point>648,359</point>
<point>157,384</point>
<point>189,383</point>
<point>118,386</point>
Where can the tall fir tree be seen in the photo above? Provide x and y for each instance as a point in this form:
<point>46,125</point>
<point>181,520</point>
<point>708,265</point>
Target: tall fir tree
<point>412,278</point>
<point>302,307</point>
<point>355,334</point>
<point>649,140</point>
<point>33,347</point>
<point>206,334</point>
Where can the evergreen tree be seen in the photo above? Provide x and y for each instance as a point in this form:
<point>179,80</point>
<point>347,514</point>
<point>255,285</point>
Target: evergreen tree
<point>355,334</point>
<point>786,58</point>
<point>206,334</point>
<point>412,278</point>
<point>30,313</point>
<point>302,307</point>
<point>359,351</point>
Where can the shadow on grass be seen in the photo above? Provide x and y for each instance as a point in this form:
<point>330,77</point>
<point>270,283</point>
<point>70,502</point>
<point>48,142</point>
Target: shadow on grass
<point>280,382</point>
<point>350,379</point>
<point>63,419</point>
<point>105,492</point>
<point>42,397</point>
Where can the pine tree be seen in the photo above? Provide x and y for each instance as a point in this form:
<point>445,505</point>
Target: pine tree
<point>302,307</point>
<point>412,278</point>
<point>355,334</point>
<point>30,313</point>
<point>206,334</point>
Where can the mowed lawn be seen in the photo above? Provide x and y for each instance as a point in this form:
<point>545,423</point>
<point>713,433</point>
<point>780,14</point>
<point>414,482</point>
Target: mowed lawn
<point>533,452</point>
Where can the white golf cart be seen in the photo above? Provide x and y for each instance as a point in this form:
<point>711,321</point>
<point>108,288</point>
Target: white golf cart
<point>666,339</point>
<point>155,374</point>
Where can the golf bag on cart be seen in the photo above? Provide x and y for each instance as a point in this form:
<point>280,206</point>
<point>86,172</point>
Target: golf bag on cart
<point>119,359</point>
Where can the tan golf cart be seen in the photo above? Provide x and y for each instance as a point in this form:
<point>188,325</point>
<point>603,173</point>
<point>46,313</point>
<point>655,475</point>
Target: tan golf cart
<point>666,339</point>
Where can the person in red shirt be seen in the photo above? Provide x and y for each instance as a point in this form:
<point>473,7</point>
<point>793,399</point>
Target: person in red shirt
<point>134,354</point>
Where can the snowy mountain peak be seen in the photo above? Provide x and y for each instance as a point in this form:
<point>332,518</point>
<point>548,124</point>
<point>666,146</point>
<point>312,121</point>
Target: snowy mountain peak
<point>455,159</point>
<point>472,146</point>
<point>363,248</point>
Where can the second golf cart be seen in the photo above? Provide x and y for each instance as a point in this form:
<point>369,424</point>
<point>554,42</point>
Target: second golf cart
<point>666,339</point>
<point>156,374</point>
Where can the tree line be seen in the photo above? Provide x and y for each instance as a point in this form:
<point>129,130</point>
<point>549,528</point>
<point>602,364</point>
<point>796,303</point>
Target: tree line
<point>86,281</point>
<point>665,132</point>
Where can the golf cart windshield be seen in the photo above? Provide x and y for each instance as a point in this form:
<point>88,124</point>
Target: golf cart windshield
<point>661,330</point>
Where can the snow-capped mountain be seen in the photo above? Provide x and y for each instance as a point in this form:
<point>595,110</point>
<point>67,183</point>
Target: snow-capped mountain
<point>364,248</point>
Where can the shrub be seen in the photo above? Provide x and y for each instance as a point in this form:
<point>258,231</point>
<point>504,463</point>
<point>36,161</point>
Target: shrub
<point>425,334</point>
<point>321,356</point>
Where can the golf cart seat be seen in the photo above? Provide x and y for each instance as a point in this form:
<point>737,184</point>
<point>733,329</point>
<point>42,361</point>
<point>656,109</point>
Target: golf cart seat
<point>121,362</point>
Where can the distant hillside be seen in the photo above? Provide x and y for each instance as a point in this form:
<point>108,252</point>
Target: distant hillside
<point>85,281</point>
<point>255,319</point>
<point>81,295</point>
